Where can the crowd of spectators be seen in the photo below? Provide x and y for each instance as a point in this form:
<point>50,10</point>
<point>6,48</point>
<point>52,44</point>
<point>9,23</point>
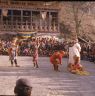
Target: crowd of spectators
<point>47,46</point>
<point>88,51</point>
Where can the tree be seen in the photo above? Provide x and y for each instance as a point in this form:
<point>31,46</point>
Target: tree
<point>78,13</point>
<point>64,29</point>
<point>74,14</point>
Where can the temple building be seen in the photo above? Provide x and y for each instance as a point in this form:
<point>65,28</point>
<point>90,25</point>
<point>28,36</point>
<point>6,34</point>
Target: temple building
<point>19,17</point>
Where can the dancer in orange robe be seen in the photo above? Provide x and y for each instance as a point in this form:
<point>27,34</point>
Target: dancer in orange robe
<point>56,59</point>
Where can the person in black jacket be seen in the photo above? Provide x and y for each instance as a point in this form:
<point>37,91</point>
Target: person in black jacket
<point>23,87</point>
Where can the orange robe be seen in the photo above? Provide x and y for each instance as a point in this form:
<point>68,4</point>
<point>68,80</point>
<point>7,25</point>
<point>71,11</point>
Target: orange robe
<point>56,58</point>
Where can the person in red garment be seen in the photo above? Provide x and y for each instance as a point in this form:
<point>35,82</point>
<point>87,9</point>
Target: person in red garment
<point>56,59</point>
<point>36,54</point>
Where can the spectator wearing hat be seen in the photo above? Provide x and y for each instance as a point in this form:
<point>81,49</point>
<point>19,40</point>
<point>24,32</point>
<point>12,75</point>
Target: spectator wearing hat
<point>23,87</point>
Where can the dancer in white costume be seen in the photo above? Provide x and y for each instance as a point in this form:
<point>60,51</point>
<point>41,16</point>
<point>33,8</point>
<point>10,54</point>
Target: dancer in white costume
<point>74,65</point>
<point>74,50</point>
<point>74,56</point>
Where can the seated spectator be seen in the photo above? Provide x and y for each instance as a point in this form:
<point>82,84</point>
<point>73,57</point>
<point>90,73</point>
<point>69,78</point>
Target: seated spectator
<point>23,87</point>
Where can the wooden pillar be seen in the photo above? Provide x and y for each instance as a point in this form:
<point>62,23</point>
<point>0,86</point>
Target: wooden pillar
<point>58,28</point>
<point>21,20</point>
<point>41,22</point>
<point>0,20</point>
<point>2,25</point>
<point>27,27</point>
<point>12,20</point>
<point>49,21</point>
<point>31,22</point>
<point>16,26</point>
<point>7,26</point>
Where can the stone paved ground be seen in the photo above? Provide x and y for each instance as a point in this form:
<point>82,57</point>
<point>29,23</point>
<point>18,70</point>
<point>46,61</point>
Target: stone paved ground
<point>44,80</point>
